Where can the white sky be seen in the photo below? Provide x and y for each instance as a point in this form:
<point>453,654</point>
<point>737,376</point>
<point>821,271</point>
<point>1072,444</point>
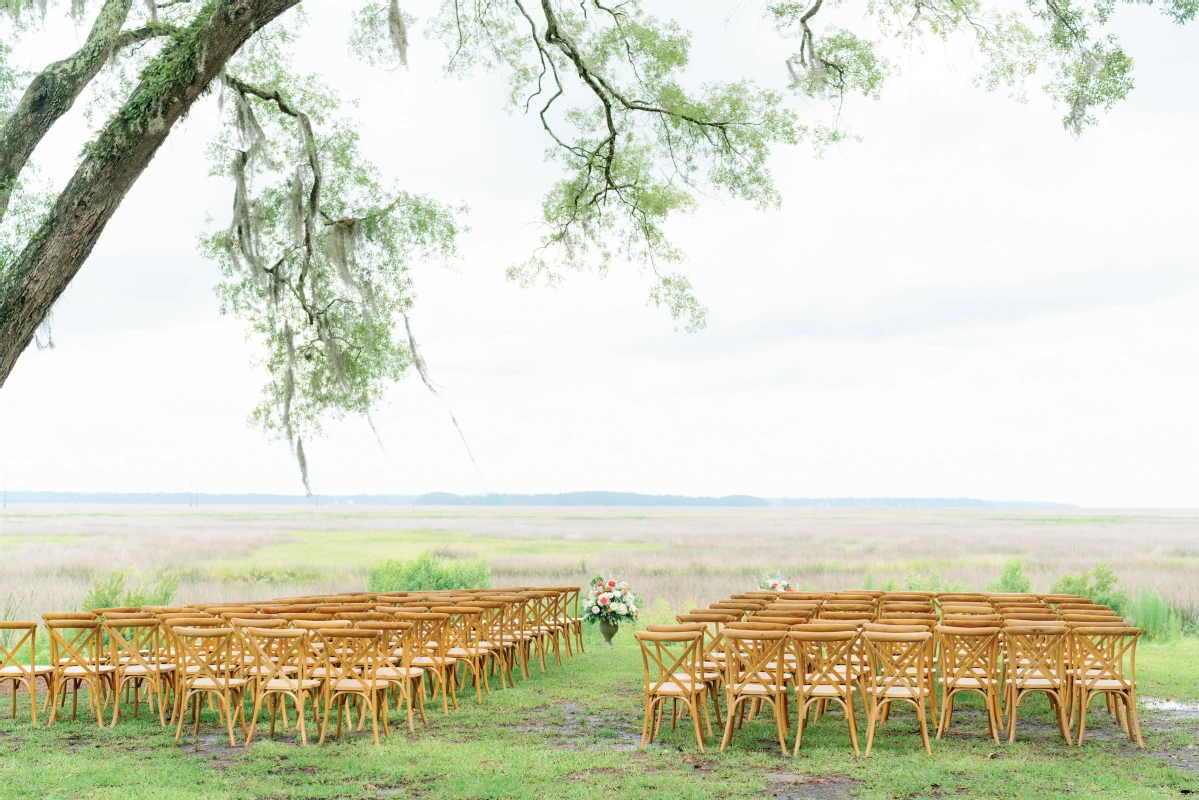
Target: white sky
<point>968,303</point>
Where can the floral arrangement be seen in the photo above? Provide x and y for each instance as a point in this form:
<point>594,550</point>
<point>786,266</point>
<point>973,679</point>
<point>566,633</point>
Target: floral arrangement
<point>610,601</point>
<point>775,584</point>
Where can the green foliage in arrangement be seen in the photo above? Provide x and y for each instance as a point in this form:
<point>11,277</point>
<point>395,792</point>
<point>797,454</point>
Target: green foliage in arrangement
<point>112,591</point>
<point>1099,585</point>
<point>428,572</point>
<point>1012,580</point>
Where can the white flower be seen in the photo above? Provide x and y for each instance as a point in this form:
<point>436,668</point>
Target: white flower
<point>632,609</point>
<point>619,609</point>
<point>595,609</point>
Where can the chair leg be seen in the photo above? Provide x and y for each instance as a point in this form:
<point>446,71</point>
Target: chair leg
<point>801,721</point>
<point>699,734</point>
<point>871,723</point>
<point>730,717</point>
<point>851,715</point>
<point>920,715</point>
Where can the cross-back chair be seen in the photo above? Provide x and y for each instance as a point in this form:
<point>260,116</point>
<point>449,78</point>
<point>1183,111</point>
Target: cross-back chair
<point>755,673</point>
<point>898,669</point>
<point>673,669</point>
<point>22,671</point>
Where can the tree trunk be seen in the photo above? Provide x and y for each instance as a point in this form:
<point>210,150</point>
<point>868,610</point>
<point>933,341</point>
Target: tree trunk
<point>114,161</point>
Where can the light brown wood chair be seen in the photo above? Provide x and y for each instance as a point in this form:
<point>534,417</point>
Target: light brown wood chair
<point>282,661</point>
<point>136,649</point>
<point>204,666</point>
<point>352,659</point>
<point>827,669</point>
<point>22,670</point>
<point>400,640</point>
<point>755,674</point>
<point>663,667</point>
<point>969,662</point>
<point>1109,654</point>
<point>77,657</point>
<point>1034,658</point>
<point>898,669</point>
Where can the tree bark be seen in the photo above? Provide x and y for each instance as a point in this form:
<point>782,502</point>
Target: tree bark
<point>114,161</point>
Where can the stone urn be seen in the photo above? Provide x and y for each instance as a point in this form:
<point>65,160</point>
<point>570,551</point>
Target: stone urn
<point>608,629</point>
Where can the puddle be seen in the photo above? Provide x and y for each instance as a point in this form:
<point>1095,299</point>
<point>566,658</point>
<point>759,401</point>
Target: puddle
<point>1173,706</point>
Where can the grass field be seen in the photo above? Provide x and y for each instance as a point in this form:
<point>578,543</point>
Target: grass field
<point>573,733</point>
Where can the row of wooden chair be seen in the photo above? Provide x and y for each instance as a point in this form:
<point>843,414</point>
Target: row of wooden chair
<point>758,649</point>
<point>318,652</point>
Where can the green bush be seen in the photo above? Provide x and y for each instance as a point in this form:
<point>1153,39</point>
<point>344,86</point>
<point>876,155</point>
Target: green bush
<point>1012,580</point>
<point>1098,585</point>
<point>112,591</point>
<point>428,572</point>
<point>917,581</point>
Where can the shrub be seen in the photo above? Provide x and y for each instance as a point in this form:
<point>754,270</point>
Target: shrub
<point>1011,580</point>
<point>1151,613</point>
<point>917,581</point>
<point>111,591</point>
<point>428,572</point>
<point>1098,585</point>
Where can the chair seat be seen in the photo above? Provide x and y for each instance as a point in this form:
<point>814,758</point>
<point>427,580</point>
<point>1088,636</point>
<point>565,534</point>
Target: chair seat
<point>764,689</point>
<point>704,677</point>
<point>286,669</point>
<point>209,683</point>
<point>894,692</point>
<point>396,673</point>
<point>1106,685</point>
<point>21,672</point>
<point>1036,684</point>
<point>140,669</point>
<point>351,685</point>
<point>677,689</point>
<point>291,684</point>
<point>462,652</point>
<point>433,661</point>
<point>86,672</point>
<point>824,690</point>
<point>970,682</point>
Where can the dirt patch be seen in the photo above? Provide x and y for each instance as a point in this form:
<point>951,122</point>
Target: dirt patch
<point>793,786</point>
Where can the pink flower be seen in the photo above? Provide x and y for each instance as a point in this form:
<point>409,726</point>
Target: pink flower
<point>603,601</point>
<point>612,583</point>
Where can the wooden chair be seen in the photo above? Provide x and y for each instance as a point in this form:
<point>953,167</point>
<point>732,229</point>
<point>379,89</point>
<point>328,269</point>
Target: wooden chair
<point>827,669</point>
<point>969,662</point>
<point>282,660</point>
<point>351,660</point>
<point>197,650</point>
<point>754,672</point>
<point>898,668</point>
<point>1035,661</point>
<point>663,668</point>
<point>76,656</point>
<point>399,647</point>
<point>1105,650</point>
<point>429,642</point>
<point>136,649</point>
<point>14,670</point>
<point>466,648</point>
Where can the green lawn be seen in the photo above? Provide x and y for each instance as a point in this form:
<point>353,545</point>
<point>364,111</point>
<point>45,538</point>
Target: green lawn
<point>573,733</point>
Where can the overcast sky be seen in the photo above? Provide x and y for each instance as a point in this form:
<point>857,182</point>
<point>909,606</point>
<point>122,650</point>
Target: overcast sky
<point>969,302</point>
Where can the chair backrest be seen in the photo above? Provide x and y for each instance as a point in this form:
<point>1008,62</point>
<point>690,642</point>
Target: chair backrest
<point>740,605</point>
<point>75,643</point>
<point>279,653</point>
<point>308,616</point>
<point>352,654</point>
<point>1109,653</point>
<point>985,609</point>
<point>1034,650</point>
<point>825,658</point>
<point>100,612</point>
<point>68,615</point>
<point>137,642</point>
<point>204,653</point>
<point>10,652</point>
<point>965,650</point>
<point>395,636</point>
<point>753,656</point>
<point>898,661</point>
<point>662,658</point>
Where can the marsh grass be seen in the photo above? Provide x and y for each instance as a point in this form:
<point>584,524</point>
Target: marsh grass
<point>50,556</point>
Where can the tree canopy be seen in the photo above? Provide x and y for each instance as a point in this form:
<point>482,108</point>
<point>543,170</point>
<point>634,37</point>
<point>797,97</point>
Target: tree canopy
<point>315,257</point>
